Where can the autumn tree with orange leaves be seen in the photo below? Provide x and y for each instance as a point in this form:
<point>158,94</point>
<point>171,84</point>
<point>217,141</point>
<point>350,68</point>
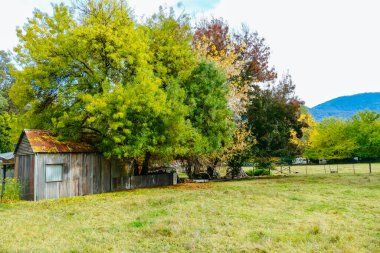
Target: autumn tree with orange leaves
<point>244,56</point>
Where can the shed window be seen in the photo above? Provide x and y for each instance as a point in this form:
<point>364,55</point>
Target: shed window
<point>54,172</point>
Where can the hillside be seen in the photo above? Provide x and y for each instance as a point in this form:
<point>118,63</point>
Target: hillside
<point>346,106</point>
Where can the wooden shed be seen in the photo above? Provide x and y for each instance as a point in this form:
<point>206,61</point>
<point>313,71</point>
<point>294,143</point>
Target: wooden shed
<point>48,168</point>
<point>7,163</point>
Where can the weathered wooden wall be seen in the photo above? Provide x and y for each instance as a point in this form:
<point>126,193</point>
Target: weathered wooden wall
<point>24,147</point>
<point>83,174</point>
<point>24,170</point>
<point>154,180</point>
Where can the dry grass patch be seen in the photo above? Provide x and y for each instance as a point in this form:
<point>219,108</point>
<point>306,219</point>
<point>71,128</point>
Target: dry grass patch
<point>192,186</point>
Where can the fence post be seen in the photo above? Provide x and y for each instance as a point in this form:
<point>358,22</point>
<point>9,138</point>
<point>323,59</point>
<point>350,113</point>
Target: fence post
<point>289,170</point>
<point>370,168</point>
<point>3,184</point>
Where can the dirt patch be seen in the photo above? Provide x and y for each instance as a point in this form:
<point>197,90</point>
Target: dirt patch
<point>192,186</point>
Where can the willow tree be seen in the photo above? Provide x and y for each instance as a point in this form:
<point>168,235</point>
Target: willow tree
<point>87,74</point>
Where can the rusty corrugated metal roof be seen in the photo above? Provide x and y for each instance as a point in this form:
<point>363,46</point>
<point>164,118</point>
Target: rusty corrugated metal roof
<point>7,158</point>
<point>43,141</point>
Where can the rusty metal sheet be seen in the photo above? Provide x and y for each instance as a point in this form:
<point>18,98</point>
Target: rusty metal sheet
<point>43,141</point>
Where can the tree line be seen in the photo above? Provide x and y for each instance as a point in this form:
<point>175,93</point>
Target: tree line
<point>335,138</point>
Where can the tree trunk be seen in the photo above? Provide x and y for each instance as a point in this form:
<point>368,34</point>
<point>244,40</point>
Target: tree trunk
<point>145,165</point>
<point>193,167</point>
<point>211,168</point>
<point>189,171</point>
<point>3,183</point>
<point>135,167</point>
<point>190,168</point>
<point>233,173</point>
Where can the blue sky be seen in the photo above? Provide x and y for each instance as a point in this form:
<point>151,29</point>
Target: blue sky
<point>331,47</point>
<point>200,5</point>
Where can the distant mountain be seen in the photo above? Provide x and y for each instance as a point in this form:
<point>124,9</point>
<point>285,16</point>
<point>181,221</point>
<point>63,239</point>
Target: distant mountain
<point>346,106</point>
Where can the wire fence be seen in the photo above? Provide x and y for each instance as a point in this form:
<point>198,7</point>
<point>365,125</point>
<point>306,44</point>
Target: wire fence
<point>311,169</point>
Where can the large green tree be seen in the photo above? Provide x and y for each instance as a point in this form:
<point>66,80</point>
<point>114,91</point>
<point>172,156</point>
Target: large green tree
<point>172,61</point>
<point>6,81</point>
<point>5,133</point>
<point>339,139</point>
<point>364,129</point>
<point>7,108</point>
<point>210,117</point>
<point>244,56</point>
<point>330,139</point>
<point>87,74</point>
<point>272,117</point>
<point>93,73</point>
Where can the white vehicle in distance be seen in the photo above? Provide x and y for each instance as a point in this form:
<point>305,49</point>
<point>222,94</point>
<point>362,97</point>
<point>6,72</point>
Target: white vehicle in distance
<point>300,160</point>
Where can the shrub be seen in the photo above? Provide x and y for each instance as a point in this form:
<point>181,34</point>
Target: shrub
<point>258,172</point>
<point>12,189</point>
<point>249,173</point>
<point>261,172</point>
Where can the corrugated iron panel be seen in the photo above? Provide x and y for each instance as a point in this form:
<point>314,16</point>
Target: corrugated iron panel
<point>43,141</point>
<point>7,156</point>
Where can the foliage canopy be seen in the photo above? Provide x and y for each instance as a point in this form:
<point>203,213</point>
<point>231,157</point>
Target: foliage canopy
<point>135,90</point>
<point>338,139</point>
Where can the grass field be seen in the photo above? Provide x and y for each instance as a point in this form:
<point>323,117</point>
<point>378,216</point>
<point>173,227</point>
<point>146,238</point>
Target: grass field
<point>333,213</point>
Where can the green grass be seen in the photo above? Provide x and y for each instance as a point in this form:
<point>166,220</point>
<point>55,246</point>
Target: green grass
<point>333,213</point>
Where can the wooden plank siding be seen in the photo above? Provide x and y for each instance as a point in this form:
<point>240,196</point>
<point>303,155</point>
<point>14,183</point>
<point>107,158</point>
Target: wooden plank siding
<point>83,172</point>
<point>24,170</point>
<point>82,175</point>
<point>105,175</point>
<point>24,147</point>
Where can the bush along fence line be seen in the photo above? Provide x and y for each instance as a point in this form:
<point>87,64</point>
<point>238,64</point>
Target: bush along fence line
<point>10,190</point>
